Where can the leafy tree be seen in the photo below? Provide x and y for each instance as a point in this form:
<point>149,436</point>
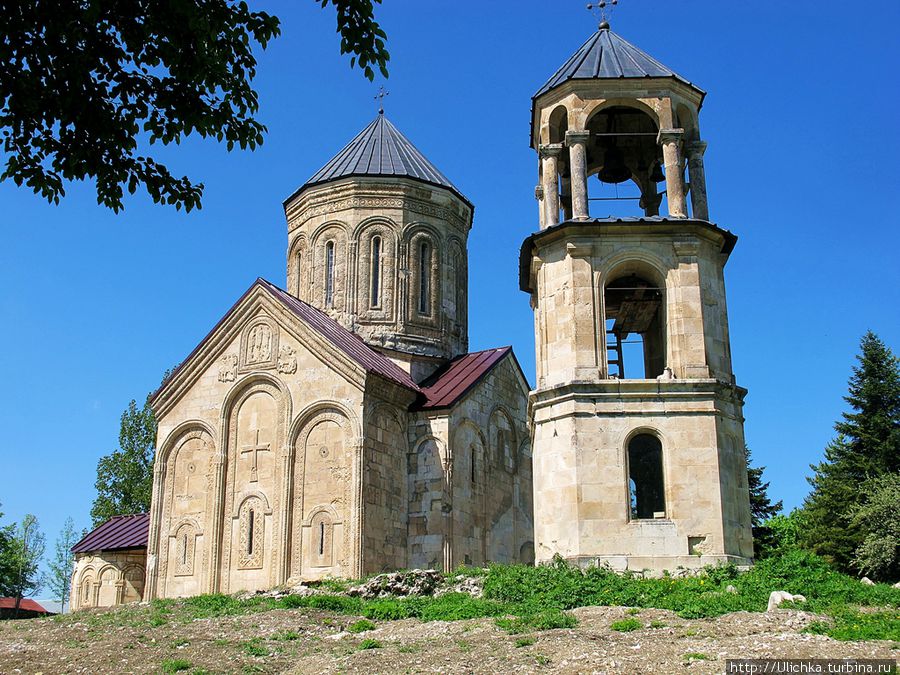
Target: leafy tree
<point>26,551</point>
<point>125,477</point>
<point>8,568</point>
<point>878,517</point>
<point>60,577</point>
<point>761,507</point>
<point>82,83</point>
<point>867,446</point>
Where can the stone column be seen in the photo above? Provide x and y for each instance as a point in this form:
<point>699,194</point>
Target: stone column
<point>577,142</point>
<point>697,175</point>
<point>550,182</point>
<point>670,140</point>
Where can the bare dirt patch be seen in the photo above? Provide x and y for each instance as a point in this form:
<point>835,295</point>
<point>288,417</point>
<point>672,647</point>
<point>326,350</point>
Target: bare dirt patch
<point>311,641</point>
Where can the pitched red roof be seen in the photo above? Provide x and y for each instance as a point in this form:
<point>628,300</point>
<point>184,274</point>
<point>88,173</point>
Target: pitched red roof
<point>453,380</point>
<point>26,604</point>
<point>116,533</point>
<point>348,342</point>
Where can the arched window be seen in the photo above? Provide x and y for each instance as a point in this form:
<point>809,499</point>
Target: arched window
<point>252,534</point>
<point>329,274</point>
<point>87,583</point>
<point>645,478</point>
<point>322,538</point>
<point>375,299</point>
<point>185,545</point>
<point>425,278</point>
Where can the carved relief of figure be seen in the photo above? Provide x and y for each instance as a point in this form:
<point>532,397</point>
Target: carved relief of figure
<point>287,360</point>
<point>259,344</point>
<point>228,368</point>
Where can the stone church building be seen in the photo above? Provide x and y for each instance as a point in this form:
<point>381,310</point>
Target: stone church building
<point>340,427</point>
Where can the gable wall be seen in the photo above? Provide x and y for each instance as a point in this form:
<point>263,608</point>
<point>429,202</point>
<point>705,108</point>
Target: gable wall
<point>300,399</point>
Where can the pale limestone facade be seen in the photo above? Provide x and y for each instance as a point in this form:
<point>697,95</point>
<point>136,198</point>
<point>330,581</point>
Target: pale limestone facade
<point>108,578</point>
<point>639,470</point>
<point>301,440</point>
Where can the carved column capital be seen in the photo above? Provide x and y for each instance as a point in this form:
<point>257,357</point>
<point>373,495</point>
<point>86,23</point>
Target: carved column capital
<point>696,149</point>
<point>670,136</point>
<point>550,150</point>
<point>574,137</point>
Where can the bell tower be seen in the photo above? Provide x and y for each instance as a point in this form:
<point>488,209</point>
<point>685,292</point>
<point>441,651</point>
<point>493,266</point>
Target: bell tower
<point>638,440</point>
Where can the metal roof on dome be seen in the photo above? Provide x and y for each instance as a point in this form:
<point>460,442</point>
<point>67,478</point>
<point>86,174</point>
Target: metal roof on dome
<point>607,55</point>
<point>381,150</point>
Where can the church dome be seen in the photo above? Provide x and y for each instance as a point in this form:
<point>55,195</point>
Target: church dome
<point>607,55</point>
<point>381,150</point>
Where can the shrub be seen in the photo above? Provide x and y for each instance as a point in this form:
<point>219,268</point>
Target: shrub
<point>369,643</point>
<point>626,625</point>
<point>361,626</point>
<point>334,603</point>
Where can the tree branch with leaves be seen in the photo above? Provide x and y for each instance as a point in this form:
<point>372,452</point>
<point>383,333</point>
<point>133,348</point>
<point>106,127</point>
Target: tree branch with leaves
<point>85,87</point>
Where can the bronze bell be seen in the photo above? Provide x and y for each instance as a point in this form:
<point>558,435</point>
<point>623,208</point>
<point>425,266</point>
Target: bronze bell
<point>656,176</point>
<point>614,169</point>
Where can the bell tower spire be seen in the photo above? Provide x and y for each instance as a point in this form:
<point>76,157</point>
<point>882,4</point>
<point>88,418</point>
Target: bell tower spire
<point>638,439</point>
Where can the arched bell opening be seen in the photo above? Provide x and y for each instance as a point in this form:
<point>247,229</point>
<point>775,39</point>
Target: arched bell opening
<point>623,149</point>
<point>635,328</point>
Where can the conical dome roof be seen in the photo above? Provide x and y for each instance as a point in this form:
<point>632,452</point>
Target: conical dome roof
<point>607,55</point>
<point>381,150</point>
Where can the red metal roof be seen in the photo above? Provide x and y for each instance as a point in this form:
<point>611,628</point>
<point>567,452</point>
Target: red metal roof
<point>348,342</point>
<point>26,604</point>
<point>116,533</point>
<point>452,381</point>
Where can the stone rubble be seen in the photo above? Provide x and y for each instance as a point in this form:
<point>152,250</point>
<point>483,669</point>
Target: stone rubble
<point>398,584</point>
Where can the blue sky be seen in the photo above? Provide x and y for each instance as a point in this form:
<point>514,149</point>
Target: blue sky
<point>802,165</point>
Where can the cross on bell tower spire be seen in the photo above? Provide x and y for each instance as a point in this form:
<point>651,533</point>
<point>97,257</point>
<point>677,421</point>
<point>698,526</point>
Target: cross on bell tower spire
<point>380,98</point>
<point>602,10</point>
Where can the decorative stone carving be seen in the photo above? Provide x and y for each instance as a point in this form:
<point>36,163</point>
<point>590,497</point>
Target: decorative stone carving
<point>259,345</point>
<point>228,368</point>
<point>287,360</point>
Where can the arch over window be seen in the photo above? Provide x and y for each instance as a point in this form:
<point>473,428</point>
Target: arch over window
<point>252,534</point>
<point>329,274</point>
<point>375,274</point>
<point>646,489</point>
<point>635,328</point>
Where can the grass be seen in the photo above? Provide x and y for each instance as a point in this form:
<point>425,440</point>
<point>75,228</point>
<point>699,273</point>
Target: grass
<point>286,636</point>
<point>522,598</point>
<point>369,643</point>
<point>174,665</point>
<point>524,642</point>
<point>696,656</point>
<point>626,625</point>
<point>254,647</point>
<point>360,626</point>
<point>464,646</point>
<point>657,624</point>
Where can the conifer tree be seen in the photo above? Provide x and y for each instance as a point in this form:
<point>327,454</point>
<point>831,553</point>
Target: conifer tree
<point>867,446</point>
<point>125,476</point>
<point>761,507</point>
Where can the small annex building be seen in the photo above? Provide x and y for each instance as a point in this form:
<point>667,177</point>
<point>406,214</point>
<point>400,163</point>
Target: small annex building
<point>28,609</point>
<point>110,563</point>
